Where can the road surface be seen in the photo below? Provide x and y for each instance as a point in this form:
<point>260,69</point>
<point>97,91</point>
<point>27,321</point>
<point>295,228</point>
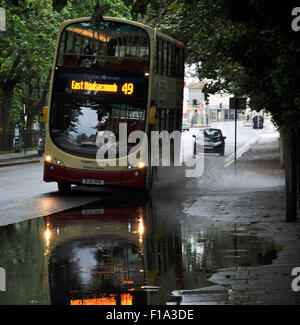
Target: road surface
<point>142,248</point>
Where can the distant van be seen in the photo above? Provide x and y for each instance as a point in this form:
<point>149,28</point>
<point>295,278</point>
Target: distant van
<point>258,122</point>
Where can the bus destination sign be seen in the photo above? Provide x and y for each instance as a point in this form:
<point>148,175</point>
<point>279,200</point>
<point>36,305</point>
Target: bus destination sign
<point>126,88</point>
<point>87,84</point>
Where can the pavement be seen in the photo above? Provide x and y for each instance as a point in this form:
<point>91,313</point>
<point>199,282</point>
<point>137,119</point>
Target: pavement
<point>19,158</point>
<point>253,199</point>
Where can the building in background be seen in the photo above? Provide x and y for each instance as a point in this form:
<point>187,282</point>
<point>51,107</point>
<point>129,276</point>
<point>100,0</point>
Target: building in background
<point>197,113</point>
<point>218,108</point>
<point>194,108</point>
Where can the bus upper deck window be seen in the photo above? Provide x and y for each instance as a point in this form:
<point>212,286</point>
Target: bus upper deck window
<point>70,59</point>
<point>108,40</point>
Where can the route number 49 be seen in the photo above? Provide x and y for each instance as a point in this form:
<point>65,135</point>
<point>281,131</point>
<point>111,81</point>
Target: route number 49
<point>127,88</point>
<point>296,281</point>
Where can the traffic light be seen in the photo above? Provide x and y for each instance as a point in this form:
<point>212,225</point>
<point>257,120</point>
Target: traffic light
<point>194,102</point>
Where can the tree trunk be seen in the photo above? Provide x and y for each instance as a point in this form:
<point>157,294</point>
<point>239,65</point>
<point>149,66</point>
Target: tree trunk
<point>8,87</point>
<point>36,107</point>
<point>30,119</point>
<point>291,175</point>
<point>5,105</point>
<point>298,167</point>
<point>281,148</point>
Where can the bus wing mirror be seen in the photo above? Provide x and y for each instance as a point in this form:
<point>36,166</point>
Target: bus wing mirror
<point>43,117</point>
<point>153,115</point>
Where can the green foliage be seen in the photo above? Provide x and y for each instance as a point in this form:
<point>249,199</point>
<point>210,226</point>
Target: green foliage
<point>113,8</point>
<point>244,47</point>
<point>27,48</point>
<point>26,54</point>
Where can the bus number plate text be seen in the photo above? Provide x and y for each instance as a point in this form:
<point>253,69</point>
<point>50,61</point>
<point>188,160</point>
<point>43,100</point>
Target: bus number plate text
<point>93,181</point>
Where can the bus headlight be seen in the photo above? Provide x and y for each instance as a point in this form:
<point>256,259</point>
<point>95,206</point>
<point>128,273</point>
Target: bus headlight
<point>48,158</point>
<point>141,164</point>
<point>53,160</point>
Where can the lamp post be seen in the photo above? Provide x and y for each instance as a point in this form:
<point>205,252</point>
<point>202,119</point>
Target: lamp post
<point>25,122</point>
<point>236,104</point>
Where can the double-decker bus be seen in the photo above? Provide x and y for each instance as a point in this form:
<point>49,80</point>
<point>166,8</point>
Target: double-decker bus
<point>106,74</point>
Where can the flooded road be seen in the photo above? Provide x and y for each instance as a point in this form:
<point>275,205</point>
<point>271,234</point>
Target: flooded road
<point>120,252</point>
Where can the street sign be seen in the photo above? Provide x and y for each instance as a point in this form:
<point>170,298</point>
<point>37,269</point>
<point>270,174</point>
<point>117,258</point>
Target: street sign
<point>237,103</point>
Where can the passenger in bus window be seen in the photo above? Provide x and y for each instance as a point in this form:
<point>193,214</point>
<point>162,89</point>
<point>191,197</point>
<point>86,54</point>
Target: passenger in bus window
<point>87,59</point>
<point>111,48</point>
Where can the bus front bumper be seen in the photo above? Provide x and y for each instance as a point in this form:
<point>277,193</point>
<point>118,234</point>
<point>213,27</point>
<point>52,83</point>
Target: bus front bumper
<point>55,173</point>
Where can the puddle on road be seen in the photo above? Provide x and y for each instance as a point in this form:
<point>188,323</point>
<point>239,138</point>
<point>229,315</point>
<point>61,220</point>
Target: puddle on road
<point>117,253</point>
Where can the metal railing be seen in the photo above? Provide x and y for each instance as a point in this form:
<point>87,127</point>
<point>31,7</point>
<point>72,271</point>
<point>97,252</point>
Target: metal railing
<point>28,139</point>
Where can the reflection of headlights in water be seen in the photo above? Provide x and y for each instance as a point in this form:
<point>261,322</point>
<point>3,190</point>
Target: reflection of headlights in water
<point>141,227</point>
<point>47,234</point>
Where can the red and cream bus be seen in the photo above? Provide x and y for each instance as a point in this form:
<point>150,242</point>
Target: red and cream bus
<point>106,73</point>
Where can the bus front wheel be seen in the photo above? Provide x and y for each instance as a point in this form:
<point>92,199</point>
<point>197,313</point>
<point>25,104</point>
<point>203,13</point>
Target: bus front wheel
<point>64,187</point>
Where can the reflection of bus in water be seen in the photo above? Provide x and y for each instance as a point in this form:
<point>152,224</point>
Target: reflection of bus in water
<point>95,256</point>
<point>112,253</point>
<point>106,74</point>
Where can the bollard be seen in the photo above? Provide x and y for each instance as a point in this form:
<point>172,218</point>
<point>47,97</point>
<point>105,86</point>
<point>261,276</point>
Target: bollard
<point>2,279</point>
<point>17,144</point>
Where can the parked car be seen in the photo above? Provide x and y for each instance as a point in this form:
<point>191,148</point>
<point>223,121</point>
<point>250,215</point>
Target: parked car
<point>258,122</point>
<point>185,126</point>
<point>213,139</point>
<point>41,146</point>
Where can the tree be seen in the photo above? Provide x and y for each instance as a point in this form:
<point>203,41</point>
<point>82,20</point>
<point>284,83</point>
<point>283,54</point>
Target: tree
<point>247,48</point>
<point>27,49</point>
<point>114,8</point>
<point>26,52</point>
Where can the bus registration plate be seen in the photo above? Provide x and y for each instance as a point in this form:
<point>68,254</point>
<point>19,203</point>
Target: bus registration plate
<point>89,181</point>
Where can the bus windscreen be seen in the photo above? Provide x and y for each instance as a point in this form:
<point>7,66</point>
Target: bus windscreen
<point>76,123</point>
